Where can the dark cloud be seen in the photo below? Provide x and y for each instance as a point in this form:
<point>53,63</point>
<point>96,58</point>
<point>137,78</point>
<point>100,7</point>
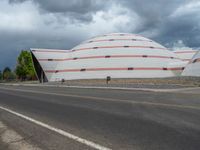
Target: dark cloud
<point>156,16</point>
<point>13,43</point>
<point>56,6</point>
<point>152,12</point>
<point>62,24</point>
<point>184,27</point>
<point>75,9</point>
<point>76,6</point>
<point>16,1</point>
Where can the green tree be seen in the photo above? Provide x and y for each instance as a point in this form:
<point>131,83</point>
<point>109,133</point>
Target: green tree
<point>24,69</point>
<point>7,74</point>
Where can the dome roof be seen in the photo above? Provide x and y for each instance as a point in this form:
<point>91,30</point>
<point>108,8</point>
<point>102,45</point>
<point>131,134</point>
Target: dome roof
<point>118,55</point>
<point>115,43</point>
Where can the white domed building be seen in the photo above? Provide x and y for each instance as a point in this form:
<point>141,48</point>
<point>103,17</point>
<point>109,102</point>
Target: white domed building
<point>193,67</point>
<point>117,55</point>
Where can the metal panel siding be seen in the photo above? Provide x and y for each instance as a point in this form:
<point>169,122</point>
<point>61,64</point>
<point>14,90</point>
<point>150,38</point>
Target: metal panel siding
<point>185,55</point>
<point>90,68</point>
<point>47,65</point>
<point>113,74</point>
<point>118,43</point>
<point>193,68</point>
<point>113,62</point>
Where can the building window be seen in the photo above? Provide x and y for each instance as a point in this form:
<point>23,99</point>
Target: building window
<point>130,68</point>
<point>83,69</point>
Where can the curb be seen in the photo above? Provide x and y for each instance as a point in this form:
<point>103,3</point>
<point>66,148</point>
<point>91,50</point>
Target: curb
<point>110,88</point>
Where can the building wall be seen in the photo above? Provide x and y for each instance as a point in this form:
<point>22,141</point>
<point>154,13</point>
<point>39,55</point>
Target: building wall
<point>46,58</point>
<point>193,68</point>
<point>114,55</point>
<point>185,55</point>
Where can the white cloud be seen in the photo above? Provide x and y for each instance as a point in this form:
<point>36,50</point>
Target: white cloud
<point>116,19</point>
<point>192,7</point>
<point>35,23</point>
<point>26,16</point>
<point>17,17</point>
<point>180,45</point>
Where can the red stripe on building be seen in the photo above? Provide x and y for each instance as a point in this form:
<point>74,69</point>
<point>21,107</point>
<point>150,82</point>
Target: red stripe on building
<point>185,59</point>
<point>110,40</point>
<point>112,69</point>
<point>111,47</point>
<point>100,47</point>
<point>122,34</point>
<point>51,51</point>
<point>181,52</point>
<point>110,56</point>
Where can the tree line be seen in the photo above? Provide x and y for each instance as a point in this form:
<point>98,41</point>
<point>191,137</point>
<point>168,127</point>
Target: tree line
<point>23,71</point>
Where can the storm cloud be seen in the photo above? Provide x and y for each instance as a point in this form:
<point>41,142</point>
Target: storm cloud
<point>62,24</point>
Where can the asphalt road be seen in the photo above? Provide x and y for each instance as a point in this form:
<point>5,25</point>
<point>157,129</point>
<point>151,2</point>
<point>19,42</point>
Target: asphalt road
<point>116,119</point>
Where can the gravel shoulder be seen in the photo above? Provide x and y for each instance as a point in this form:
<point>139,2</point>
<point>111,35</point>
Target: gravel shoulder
<point>11,140</point>
<point>158,83</point>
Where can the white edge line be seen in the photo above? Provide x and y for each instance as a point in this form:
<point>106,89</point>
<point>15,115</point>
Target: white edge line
<point>59,131</point>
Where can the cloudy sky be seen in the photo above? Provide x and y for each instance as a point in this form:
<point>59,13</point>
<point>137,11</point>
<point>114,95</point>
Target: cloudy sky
<point>62,24</point>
